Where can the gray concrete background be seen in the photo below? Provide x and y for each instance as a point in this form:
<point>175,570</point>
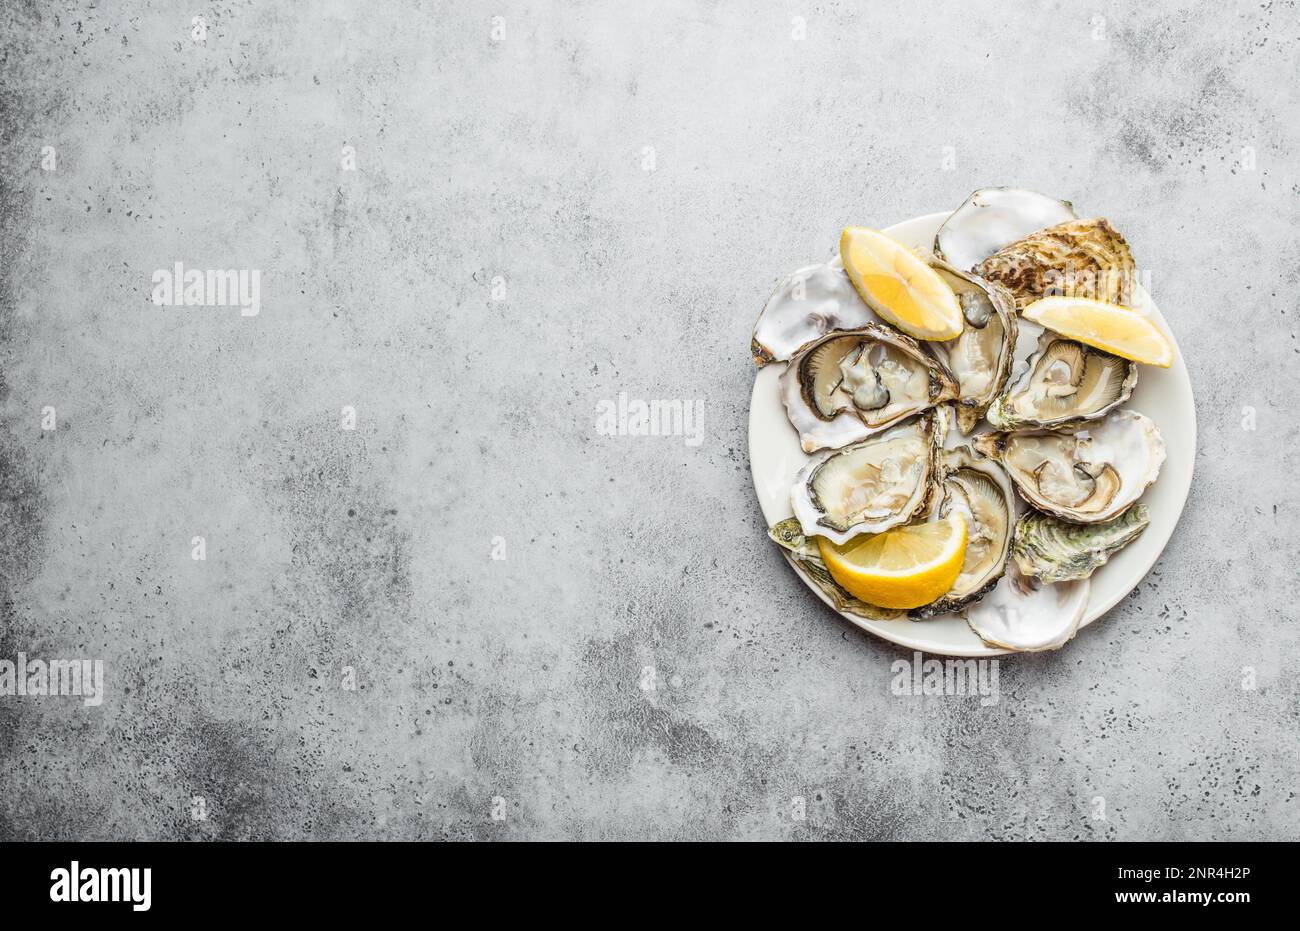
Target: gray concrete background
<point>522,158</point>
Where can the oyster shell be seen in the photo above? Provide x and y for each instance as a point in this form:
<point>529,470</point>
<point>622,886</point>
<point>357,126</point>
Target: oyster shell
<point>851,384</point>
<point>980,359</point>
<point>1065,381</point>
<point>805,555</point>
<point>872,485</point>
<point>1086,473</point>
<point>807,304</point>
<point>1081,258</point>
<point>1025,615</point>
<point>1052,550</point>
<point>994,217</point>
<point>979,488</point>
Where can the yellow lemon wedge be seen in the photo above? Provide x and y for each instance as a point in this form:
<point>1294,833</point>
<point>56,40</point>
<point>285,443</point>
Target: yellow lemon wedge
<point>899,285</point>
<point>1108,327</point>
<point>901,568</point>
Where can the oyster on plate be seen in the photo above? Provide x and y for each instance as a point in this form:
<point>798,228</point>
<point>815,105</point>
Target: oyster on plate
<point>851,384</point>
<point>1085,473</point>
<point>1065,381</point>
<point>807,557</point>
<point>872,485</point>
<point>1053,550</point>
<point>807,304</point>
<point>980,359</point>
<point>978,488</point>
<point>1077,258</point>
<point>992,218</point>
<point>1026,615</point>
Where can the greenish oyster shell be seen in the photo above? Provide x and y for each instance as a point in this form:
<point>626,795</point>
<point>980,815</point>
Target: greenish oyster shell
<point>1053,550</point>
<point>801,551</point>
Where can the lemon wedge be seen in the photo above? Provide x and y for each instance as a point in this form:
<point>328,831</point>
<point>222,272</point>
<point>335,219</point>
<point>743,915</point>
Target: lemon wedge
<point>899,286</point>
<point>901,568</point>
<point>1108,327</point>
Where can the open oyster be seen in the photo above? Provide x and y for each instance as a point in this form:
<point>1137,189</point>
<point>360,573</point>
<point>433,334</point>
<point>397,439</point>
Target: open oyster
<point>806,556</point>
<point>851,384</point>
<point>1083,474</point>
<point>809,303</point>
<point>980,359</point>
<point>980,490</point>
<point>1025,615</point>
<point>1065,381</point>
<point>1077,258</point>
<point>1052,550</point>
<point>994,217</point>
<point>872,485</point>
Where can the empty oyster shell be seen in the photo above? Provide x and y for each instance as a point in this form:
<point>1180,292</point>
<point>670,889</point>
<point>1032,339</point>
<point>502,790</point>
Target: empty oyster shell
<point>980,359</point>
<point>994,217</point>
<point>1086,473</point>
<point>1065,381</point>
<point>1077,258</point>
<point>872,485</point>
<point>806,556</point>
<point>979,488</point>
<point>1052,550</point>
<point>807,304</point>
<point>1025,615</point>
<point>851,384</point>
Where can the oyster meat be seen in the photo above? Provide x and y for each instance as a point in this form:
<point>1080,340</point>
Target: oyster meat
<point>980,359</point>
<point>1077,258</point>
<point>807,304</point>
<point>805,555</point>
<point>994,217</point>
<point>851,384</point>
<point>1025,615</point>
<point>872,485</point>
<point>1052,550</point>
<point>979,488</point>
<point>1084,474</point>
<point>1065,381</point>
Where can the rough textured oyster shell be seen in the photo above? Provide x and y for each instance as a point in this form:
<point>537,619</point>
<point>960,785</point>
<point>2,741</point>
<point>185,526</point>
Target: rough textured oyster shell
<point>981,358</point>
<point>994,217</point>
<point>870,486</point>
<point>851,384</point>
<point>1083,258</point>
<point>1065,381</point>
<point>805,555</point>
<point>807,304</point>
<point>1052,550</point>
<point>979,488</point>
<point>1086,473</point>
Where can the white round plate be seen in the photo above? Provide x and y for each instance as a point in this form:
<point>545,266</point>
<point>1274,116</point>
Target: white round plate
<point>1164,395</point>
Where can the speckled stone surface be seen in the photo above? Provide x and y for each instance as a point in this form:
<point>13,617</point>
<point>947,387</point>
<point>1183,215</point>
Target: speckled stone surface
<point>548,210</point>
